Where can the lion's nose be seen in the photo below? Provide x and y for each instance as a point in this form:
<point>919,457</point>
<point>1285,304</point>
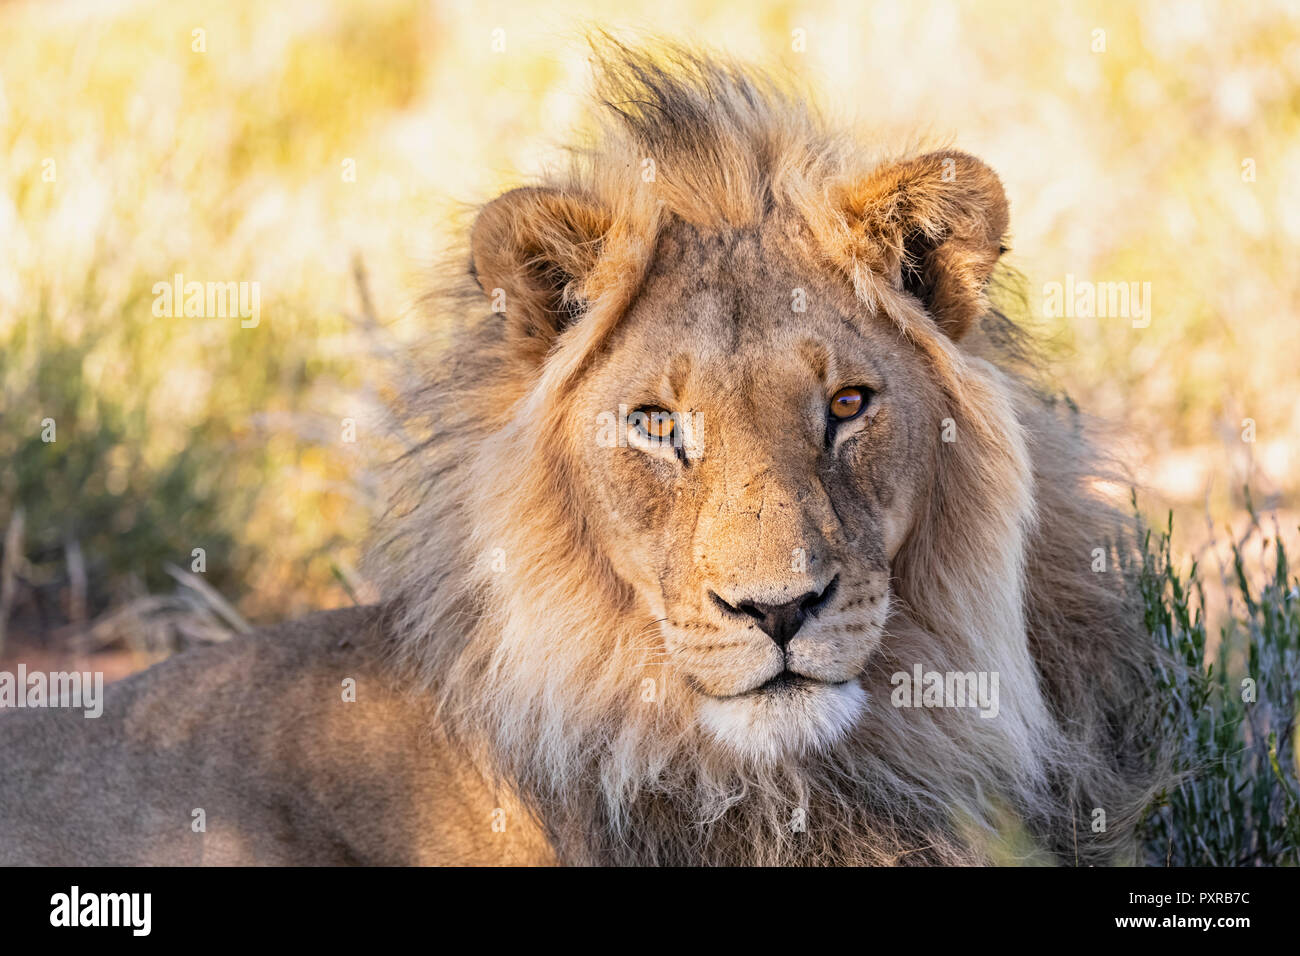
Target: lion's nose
<point>780,622</point>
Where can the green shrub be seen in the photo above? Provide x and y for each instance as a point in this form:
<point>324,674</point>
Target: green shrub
<point>1231,711</point>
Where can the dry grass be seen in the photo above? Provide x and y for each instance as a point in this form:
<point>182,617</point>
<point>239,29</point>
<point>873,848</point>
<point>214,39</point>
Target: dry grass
<point>229,165</point>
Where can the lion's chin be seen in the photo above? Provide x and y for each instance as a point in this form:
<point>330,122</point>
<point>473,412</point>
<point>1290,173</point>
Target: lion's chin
<point>770,725</point>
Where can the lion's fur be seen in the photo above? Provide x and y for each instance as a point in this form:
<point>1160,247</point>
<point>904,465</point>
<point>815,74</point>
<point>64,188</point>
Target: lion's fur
<point>508,612</point>
<point>247,753</point>
<point>504,672</point>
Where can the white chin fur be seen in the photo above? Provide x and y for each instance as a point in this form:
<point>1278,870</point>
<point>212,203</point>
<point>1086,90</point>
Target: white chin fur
<point>773,726</point>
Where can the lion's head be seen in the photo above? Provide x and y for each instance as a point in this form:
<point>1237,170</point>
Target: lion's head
<point>749,453</point>
<point>723,449</point>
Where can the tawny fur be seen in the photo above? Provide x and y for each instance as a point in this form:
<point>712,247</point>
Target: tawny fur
<point>528,596</point>
<point>540,672</point>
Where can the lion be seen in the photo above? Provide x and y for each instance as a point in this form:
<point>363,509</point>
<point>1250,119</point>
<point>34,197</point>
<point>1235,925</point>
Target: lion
<point>739,529</point>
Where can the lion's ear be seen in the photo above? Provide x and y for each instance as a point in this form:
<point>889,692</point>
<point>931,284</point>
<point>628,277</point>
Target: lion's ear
<point>530,250</point>
<point>935,225</point>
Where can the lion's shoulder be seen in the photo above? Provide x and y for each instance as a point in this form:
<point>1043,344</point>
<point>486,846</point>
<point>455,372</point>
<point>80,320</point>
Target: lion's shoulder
<point>298,743</point>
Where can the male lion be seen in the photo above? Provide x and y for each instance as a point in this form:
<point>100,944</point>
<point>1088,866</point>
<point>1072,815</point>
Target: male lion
<point>727,450</point>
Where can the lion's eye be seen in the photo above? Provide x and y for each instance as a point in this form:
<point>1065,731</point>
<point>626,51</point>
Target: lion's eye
<point>653,423</point>
<point>848,403</point>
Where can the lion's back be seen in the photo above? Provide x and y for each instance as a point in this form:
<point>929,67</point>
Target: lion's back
<point>298,744</point>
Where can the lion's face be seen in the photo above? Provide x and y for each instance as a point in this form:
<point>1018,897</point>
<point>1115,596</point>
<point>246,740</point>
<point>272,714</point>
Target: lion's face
<point>734,420</point>
<point>757,523</point>
<point>845,485</point>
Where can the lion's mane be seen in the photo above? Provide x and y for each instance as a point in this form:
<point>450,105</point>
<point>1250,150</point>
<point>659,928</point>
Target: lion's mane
<point>502,604</point>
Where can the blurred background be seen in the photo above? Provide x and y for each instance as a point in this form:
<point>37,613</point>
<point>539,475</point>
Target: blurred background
<point>204,476</point>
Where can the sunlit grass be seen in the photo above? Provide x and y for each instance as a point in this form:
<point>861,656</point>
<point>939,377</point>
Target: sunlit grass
<point>1230,707</point>
<point>130,156</point>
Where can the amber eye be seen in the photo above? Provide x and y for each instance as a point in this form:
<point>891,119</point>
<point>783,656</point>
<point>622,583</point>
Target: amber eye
<point>653,422</point>
<point>848,403</point>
